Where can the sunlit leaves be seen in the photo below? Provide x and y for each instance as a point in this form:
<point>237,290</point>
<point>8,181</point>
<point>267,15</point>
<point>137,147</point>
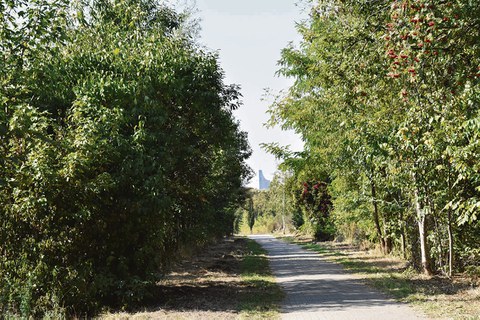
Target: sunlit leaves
<point>385,98</point>
<point>118,147</point>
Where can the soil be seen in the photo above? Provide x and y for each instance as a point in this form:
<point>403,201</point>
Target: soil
<point>207,285</point>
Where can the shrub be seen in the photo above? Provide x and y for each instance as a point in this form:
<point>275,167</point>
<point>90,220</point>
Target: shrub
<point>118,145</point>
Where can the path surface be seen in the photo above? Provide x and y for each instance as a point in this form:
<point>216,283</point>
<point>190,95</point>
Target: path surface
<point>318,289</point>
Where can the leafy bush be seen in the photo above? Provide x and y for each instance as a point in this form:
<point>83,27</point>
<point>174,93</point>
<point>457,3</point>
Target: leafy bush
<point>118,145</point>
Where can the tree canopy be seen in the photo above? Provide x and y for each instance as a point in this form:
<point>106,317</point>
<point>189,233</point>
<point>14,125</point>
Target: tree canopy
<point>118,147</point>
<point>386,100</point>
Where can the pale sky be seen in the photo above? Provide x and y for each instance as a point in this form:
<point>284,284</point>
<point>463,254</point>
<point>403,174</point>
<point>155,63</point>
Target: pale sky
<point>249,36</point>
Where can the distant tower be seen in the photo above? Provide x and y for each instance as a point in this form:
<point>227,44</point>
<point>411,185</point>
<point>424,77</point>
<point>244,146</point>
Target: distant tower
<point>263,183</point>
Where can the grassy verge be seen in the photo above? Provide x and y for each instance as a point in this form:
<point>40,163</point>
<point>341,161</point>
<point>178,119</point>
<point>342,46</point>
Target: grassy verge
<point>264,296</point>
<point>437,297</point>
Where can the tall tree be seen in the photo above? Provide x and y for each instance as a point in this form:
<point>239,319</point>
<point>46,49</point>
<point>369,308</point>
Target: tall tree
<point>118,147</point>
<point>382,97</point>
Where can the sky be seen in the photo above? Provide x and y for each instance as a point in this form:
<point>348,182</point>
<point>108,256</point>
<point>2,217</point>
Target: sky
<point>249,36</point>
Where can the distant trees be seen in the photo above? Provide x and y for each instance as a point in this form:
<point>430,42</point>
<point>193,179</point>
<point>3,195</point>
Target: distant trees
<point>268,210</point>
<point>286,207</point>
<point>386,98</point>
<point>118,146</point>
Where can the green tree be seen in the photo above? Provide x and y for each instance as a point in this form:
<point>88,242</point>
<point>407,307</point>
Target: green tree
<point>383,96</point>
<point>118,147</point>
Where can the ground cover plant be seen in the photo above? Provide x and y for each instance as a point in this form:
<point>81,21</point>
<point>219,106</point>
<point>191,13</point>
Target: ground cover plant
<point>264,302</point>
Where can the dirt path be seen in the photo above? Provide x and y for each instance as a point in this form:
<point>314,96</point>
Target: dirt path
<point>318,289</point>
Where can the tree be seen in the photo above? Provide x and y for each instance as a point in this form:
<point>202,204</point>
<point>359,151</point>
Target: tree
<point>434,54</point>
<point>383,95</point>
<point>251,215</point>
<point>118,147</point>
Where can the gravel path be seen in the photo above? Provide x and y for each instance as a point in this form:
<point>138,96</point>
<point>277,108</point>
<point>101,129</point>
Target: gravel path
<point>318,289</point>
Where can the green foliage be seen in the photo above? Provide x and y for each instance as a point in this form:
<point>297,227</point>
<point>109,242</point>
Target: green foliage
<point>271,210</point>
<point>297,219</point>
<point>118,146</point>
<point>386,100</point>
<point>352,211</point>
<point>316,203</point>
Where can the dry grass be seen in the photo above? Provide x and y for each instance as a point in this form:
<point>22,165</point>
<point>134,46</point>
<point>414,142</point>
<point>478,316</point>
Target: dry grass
<point>209,285</point>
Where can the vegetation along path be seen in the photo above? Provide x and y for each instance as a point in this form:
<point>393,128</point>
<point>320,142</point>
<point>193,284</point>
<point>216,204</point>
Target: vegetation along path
<point>318,289</point>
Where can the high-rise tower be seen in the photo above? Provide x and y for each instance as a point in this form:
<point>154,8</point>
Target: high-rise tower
<point>263,183</point>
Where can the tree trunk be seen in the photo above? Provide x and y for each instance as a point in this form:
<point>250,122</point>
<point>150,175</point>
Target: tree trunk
<point>451,253</point>
<point>450,244</point>
<point>438,233</point>
<point>387,240</point>
<point>388,245</point>
<point>283,210</point>
<point>376,218</point>
<point>422,231</point>
<point>403,236</point>
<point>424,246</point>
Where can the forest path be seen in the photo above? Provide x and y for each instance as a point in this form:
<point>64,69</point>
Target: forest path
<point>319,289</point>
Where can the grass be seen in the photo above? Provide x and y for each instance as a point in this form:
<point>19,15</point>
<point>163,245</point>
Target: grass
<point>265,296</point>
<point>437,297</point>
